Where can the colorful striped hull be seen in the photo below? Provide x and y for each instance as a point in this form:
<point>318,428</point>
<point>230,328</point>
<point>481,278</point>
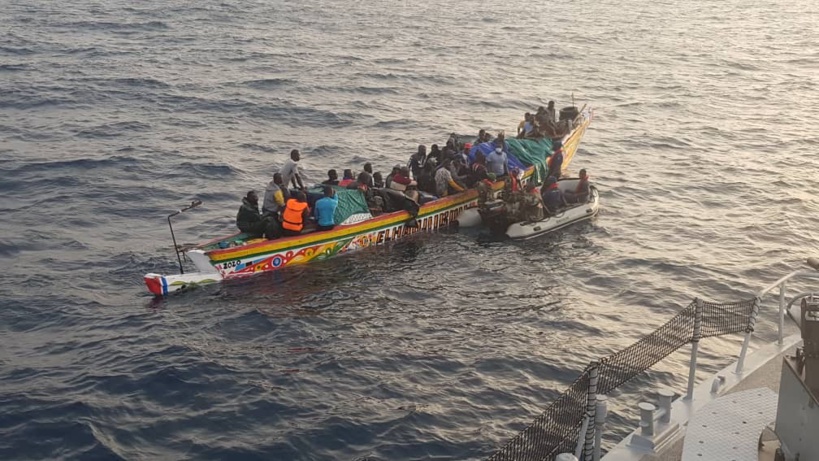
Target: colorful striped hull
<point>268,255</point>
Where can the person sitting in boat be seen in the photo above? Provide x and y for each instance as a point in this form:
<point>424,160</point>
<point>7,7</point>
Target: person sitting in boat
<point>552,196</point>
<point>581,192</point>
<point>332,178</point>
<point>556,161</point>
<point>444,182</point>
<point>417,160</point>
<point>426,180</point>
<point>275,197</point>
<point>449,150</point>
<point>347,179</point>
<point>388,180</point>
<point>532,204</point>
<point>378,180</point>
<point>477,172</point>
<point>326,209</point>
<point>296,213</point>
<point>497,162</point>
<point>526,128</point>
<point>401,180</point>
<point>290,171</point>
<point>362,183</point>
<point>249,220</point>
<point>368,168</point>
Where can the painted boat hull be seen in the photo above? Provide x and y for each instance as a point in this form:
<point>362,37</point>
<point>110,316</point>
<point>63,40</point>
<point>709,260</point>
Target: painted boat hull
<point>214,264</point>
<point>528,230</point>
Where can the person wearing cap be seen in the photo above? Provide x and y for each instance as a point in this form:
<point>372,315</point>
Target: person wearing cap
<point>290,171</point>
<point>556,161</point>
<point>581,192</point>
<point>326,209</point>
<point>552,196</point>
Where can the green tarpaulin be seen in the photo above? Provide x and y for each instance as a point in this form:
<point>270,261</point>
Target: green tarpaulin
<point>532,152</point>
<point>350,202</point>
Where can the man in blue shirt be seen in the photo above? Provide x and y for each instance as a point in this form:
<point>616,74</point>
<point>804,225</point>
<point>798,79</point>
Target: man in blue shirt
<point>326,209</point>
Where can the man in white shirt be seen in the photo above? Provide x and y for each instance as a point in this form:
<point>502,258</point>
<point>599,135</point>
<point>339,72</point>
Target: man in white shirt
<point>290,171</point>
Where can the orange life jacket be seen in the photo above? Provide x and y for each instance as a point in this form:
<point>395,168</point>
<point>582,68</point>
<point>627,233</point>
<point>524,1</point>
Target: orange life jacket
<point>293,216</point>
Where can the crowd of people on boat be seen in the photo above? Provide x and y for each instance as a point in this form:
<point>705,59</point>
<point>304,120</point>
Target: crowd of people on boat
<point>288,208</point>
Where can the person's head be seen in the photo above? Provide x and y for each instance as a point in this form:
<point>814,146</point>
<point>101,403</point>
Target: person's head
<point>481,134</point>
<point>486,136</point>
<point>480,157</point>
<point>364,178</point>
<point>557,146</point>
<point>550,181</point>
<point>294,154</point>
<point>422,151</point>
<point>328,191</point>
<point>583,174</point>
<point>348,174</point>
<point>541,110</point>
<point>467,147</point>
<point>404,172</point>
<point>396,169</point>
<point>252,198</point>
<point>377,178</point>
<point>451,144</point>
<point>277,178</point>
<point>332,175</point>
<point>368,167</point>
<point>527,116</point>
<point>529,187</point>
<point>301,197</point>
<point>435,149</point>
<point>551,105</point>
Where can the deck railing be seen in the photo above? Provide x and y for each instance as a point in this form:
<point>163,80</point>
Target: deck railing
<point>573,422</point>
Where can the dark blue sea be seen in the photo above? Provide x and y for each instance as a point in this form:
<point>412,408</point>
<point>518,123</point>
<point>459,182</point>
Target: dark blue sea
<point>115,113</point>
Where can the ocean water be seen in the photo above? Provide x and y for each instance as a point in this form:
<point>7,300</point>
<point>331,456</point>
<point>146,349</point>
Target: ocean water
<point>113,114</point>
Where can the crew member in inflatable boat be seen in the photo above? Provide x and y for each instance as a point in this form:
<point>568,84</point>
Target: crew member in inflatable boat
<point>552,196</point>
<point>326,209</point>
<point>296,213</point>
<point>556,161</point>
<point>580,194</point>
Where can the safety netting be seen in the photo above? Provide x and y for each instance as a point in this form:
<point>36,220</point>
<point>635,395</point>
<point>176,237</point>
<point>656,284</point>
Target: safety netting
<point>557,429</point>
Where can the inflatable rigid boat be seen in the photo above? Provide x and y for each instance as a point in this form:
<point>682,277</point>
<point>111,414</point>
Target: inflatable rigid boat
<point>564,217</point>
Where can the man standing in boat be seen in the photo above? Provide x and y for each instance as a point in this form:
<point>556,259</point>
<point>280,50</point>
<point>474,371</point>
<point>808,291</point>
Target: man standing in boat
<point>290,171</point>
<point>556,161</point>
<point>497,162</point>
